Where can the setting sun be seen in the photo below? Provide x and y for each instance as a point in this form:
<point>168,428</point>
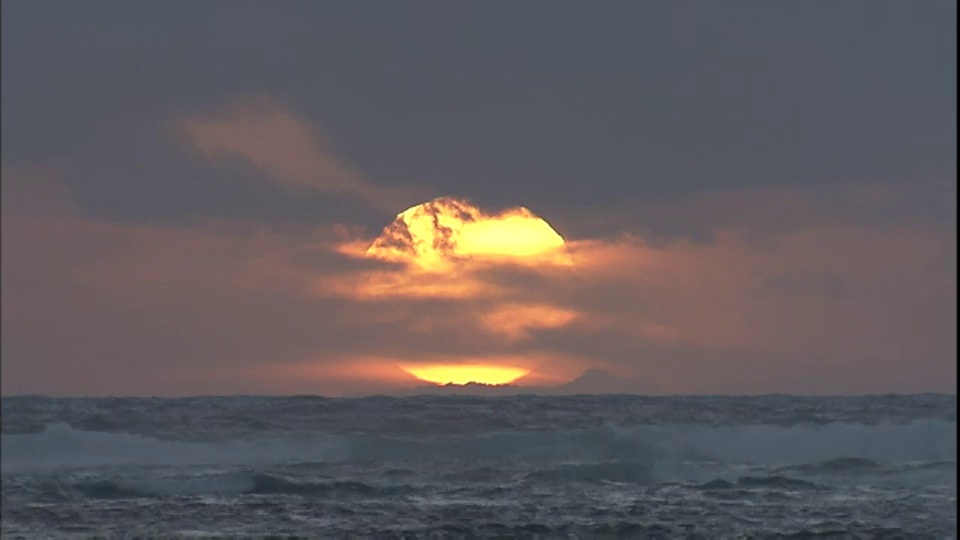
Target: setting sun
<point>445,248</point>
<point>463,374</point>
<point>431,235</point>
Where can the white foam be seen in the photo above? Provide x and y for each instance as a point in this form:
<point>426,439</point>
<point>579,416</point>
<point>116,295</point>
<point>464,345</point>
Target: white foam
<point>60,446</point>
<point>919,440</point>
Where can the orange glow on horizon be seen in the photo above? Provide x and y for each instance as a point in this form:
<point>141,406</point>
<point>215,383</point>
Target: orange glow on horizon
<point>464,373</point>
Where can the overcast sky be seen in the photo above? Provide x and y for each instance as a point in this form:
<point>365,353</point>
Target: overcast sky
<point>759,196</point>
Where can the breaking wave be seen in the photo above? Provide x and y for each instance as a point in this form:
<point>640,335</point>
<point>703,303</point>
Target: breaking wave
<point>61,446</point>
<point>583,467</point>
<point>809,449</point>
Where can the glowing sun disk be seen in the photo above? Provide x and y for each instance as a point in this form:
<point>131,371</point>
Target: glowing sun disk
<point>432,234</point>
<point>465,373</point>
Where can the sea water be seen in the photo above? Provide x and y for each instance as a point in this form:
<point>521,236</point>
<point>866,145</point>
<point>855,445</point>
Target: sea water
<point>481,467</point>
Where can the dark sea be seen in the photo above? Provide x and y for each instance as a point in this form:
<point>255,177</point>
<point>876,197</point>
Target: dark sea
<point>481,467</point>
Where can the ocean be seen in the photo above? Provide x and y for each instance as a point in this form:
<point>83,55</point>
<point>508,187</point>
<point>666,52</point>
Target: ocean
<point>481,467</point>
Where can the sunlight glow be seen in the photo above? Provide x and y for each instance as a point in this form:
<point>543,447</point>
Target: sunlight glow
<point>432,235</point>
<point>464,373</point>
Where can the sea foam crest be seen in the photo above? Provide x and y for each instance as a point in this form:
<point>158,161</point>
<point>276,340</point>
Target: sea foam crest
<point>60,446</point>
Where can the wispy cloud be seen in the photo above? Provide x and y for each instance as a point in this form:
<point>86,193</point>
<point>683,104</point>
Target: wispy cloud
<point>289,149</point>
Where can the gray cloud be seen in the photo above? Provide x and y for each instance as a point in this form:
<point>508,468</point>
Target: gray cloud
<point>585,107</point>
<point>827,285</point>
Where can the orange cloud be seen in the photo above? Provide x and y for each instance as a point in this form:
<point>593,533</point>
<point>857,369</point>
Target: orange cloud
<point>843,308</point>
<point>514,321</point>
<point>380,284</point>
<point>226,307</point>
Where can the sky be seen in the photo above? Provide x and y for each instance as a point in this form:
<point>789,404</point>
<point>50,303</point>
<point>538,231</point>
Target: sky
<point>757,197</point>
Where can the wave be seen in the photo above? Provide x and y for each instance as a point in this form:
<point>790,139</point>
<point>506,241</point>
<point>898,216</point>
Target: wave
<point>261,483</point>
<point>627,472</point>
<point>845,465</point>
<point>61,446</point>
<point>760,482</point>
<point>633,528</point>
<point>266,484</point>
<point>850,446</point>
<point>230,484</point>
<point>775,482</point>
<point>919,440</point>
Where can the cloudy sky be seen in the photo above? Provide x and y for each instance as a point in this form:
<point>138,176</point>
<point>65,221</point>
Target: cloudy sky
<point>758,197</point>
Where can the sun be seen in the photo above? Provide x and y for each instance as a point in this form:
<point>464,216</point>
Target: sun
<point>437,234</point>
<point>443,247</point>
<point>462,374</point>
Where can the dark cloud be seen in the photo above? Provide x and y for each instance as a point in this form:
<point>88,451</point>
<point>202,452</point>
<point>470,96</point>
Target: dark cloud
<point>554,106</point>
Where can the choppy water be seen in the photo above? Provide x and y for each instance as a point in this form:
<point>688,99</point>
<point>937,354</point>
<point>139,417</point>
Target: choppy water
<point>452,467</point>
